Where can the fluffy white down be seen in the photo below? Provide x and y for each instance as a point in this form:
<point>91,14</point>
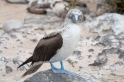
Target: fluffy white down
<point>71,37</point>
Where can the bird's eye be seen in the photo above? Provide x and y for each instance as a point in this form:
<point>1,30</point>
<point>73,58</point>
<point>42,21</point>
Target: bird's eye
<point>70,16</point>
<point>80,18</point>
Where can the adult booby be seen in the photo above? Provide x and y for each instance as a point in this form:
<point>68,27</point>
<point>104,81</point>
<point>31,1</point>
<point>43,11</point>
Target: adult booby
<point>57,46</point>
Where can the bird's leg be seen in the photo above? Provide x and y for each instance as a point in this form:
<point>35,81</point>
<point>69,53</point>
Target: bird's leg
<point>66,71</point>
<point>61,70</point>
<point>62,66</point>
<point>53,67</point>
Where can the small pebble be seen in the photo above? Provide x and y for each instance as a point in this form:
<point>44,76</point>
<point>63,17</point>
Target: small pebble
<point>91,50</point>
<point>34,40</point>
<point>21,42</point>
<point>30,53</point>
<point>5,48</point>
<point>87,38</point>
<point>18,40</point>
<point>8,69</point>
<point>89,56</point>
<point>40,28</point>
<point>13,36</point>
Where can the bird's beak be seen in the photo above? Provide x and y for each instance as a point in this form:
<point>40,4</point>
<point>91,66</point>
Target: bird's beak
<point>75,18</point>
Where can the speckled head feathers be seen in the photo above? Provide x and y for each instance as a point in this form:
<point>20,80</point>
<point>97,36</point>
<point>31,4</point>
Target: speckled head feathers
<point>74,16</point>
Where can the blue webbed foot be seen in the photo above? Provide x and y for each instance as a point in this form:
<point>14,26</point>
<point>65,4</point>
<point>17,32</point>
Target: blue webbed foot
<point>62,70</point>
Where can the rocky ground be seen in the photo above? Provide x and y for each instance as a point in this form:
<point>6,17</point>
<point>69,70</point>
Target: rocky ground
<point>99,54</point>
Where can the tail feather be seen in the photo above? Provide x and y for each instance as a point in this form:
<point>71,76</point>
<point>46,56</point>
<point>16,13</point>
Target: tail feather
<point>27,61</point>
<point>32,70</point>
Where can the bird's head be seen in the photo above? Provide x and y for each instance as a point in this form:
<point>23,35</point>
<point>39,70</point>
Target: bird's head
<point>74,16</point>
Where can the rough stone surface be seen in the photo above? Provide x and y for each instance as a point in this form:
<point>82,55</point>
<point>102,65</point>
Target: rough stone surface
<point>107,23</point>
<point>50,76</point>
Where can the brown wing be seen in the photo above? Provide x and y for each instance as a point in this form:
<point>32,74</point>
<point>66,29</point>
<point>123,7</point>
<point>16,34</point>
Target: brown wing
<point>47,47</point>
<point>44,51</point>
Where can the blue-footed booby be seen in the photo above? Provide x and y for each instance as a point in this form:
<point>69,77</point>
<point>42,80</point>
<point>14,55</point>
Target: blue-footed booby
<point>58,45</point>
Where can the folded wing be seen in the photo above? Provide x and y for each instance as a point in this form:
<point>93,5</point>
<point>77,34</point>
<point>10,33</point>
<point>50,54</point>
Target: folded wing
<point>44,51</point>
<point>47,48</point>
